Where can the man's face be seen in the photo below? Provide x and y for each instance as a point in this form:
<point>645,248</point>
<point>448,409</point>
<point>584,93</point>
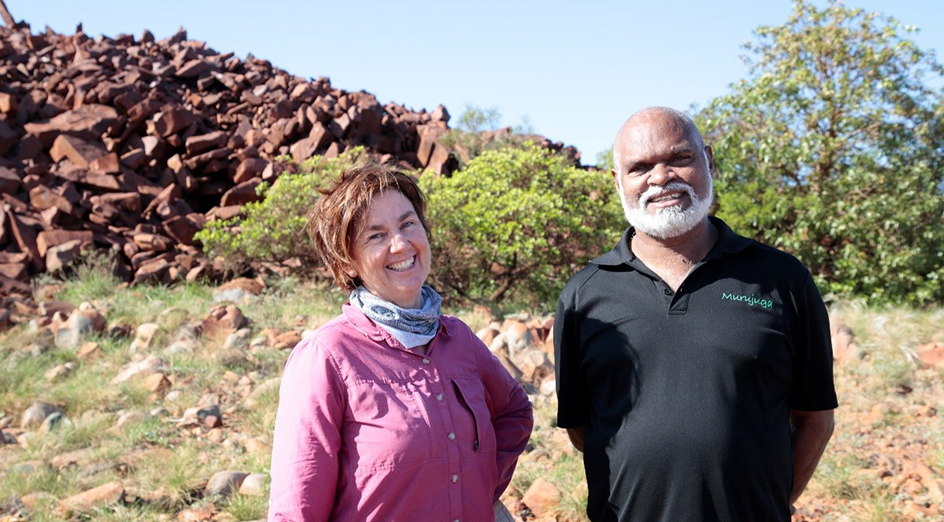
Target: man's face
<point>664,175</point>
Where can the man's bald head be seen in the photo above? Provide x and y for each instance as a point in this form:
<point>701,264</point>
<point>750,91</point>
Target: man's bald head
<point>643,121</point>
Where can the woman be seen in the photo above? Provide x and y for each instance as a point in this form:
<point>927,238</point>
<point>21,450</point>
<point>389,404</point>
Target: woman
<point>390,412</point>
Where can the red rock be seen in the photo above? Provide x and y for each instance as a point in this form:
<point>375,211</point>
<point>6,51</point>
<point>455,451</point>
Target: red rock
<point>542,497</point>
<point>223,320</point>
<point>107,164</point>
<point>9,182</point>
<point>932,354</point>
<point>50,238</point>
<point>8,138</point>
<point>152,242</point>
<point>79,152</point>
<point>62,255</point>
<point>194,68</point>
<point>129,201</point>
<point>7,103</point>
<point>197,161</point>
<point>183,228</point>
<point>156,270</point>
<point>172,121</point>
<point>242,193</point>
<point>252,286</point>
<point>105,495</point>
<point>88,122</point>
<point>15,271</point>
<point>204,142</point>
<point>25,237</point>
<point>224,213</point>
<point>157,383</point>
<point>429,136</point>
<point>439,159</point>
<point>287,340</point>
<point>304,93</point>
<point>89,350</point>
<point>249,168</point>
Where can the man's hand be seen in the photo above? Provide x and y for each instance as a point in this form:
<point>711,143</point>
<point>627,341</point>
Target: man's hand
<point>812,430</point>
<point>576,437</point>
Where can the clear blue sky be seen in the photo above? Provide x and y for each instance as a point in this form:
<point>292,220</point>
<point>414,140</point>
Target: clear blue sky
<point>575,70</point>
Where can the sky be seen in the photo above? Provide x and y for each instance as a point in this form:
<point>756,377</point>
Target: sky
<point>572,71</point>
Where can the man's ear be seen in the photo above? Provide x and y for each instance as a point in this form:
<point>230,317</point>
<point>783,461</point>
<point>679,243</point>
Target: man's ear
<point>711,159</point>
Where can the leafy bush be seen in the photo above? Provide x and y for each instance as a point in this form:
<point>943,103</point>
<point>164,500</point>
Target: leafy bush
<point>518,221</point>
<point>273,229</point>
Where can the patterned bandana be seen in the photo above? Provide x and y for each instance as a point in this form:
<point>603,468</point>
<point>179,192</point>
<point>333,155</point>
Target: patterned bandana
<point>411,326</point>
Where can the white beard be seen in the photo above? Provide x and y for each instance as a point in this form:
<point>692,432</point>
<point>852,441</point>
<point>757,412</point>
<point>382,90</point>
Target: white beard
<point>670,221</point>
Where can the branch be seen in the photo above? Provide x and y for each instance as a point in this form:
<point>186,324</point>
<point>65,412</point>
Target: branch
<point>7,17</point>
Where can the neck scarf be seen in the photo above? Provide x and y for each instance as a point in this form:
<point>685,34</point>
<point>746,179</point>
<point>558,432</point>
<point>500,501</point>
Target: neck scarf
<point>411,326</point>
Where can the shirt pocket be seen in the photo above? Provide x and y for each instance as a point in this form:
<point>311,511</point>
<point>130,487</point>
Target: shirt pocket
<point>474,401</point>
<point>388,426</point>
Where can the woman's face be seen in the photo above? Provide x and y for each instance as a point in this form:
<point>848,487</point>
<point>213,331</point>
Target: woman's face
<point>391,252</point>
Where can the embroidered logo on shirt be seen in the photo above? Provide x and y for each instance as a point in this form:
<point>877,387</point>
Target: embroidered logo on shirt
<point>749,299</point>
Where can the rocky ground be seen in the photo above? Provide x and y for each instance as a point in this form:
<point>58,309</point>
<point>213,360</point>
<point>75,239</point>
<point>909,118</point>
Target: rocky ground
<point>157,403</point>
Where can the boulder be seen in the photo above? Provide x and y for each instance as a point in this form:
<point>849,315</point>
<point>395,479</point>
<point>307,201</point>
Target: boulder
<point>224,483</point>
<point>34,416</point>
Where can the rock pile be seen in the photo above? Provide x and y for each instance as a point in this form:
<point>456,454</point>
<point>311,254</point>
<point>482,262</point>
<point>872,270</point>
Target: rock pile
<point>525,346</point>
<point>132,144</point>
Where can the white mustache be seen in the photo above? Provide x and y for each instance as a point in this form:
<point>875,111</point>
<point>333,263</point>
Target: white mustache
<point>657,191</point>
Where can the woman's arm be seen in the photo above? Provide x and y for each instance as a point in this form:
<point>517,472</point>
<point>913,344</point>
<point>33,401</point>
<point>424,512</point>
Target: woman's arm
<point>511,413</point>
<point>307,440</point>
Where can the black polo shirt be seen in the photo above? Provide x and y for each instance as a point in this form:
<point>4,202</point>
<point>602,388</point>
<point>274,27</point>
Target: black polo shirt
<point>686,396</point>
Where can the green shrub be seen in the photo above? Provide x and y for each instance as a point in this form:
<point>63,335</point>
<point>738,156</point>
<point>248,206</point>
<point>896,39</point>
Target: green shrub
<point>273,229</point>
<point>518,221</point>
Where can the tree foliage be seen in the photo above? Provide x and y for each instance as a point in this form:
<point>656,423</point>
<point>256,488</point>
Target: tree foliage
<point>833,148</point>
<point>518,221</point>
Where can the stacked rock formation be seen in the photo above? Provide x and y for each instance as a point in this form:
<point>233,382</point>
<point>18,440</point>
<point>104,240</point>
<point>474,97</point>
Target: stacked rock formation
<point>131,144</point>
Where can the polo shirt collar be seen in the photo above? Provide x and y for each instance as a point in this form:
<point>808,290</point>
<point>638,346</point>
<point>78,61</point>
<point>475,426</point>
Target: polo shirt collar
<point>728,243</point>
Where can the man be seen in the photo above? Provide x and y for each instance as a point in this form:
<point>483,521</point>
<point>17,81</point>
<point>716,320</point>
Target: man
<point>694,367</point>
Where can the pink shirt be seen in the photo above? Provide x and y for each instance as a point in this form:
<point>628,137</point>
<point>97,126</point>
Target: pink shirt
<point>368,430</point>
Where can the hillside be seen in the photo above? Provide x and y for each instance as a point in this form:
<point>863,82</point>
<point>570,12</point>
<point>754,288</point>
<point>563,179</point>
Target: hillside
<point>155,403</point>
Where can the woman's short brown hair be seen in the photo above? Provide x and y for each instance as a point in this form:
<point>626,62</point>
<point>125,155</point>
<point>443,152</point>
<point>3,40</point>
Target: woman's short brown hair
<point>340,211</point>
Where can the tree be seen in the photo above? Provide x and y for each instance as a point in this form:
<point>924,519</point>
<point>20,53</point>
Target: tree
<point>518,221</point>
<point>833,148</point>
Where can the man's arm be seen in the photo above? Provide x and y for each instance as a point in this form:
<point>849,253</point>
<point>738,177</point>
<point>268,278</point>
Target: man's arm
<point>812,430</point>
<point>576,437</point>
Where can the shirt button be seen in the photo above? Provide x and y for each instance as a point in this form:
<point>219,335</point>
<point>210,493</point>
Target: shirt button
<point>425,360</point>
<point>439,397</point>
<point>667,291</point>
<point>452,435</point>
<point>455,478</point>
